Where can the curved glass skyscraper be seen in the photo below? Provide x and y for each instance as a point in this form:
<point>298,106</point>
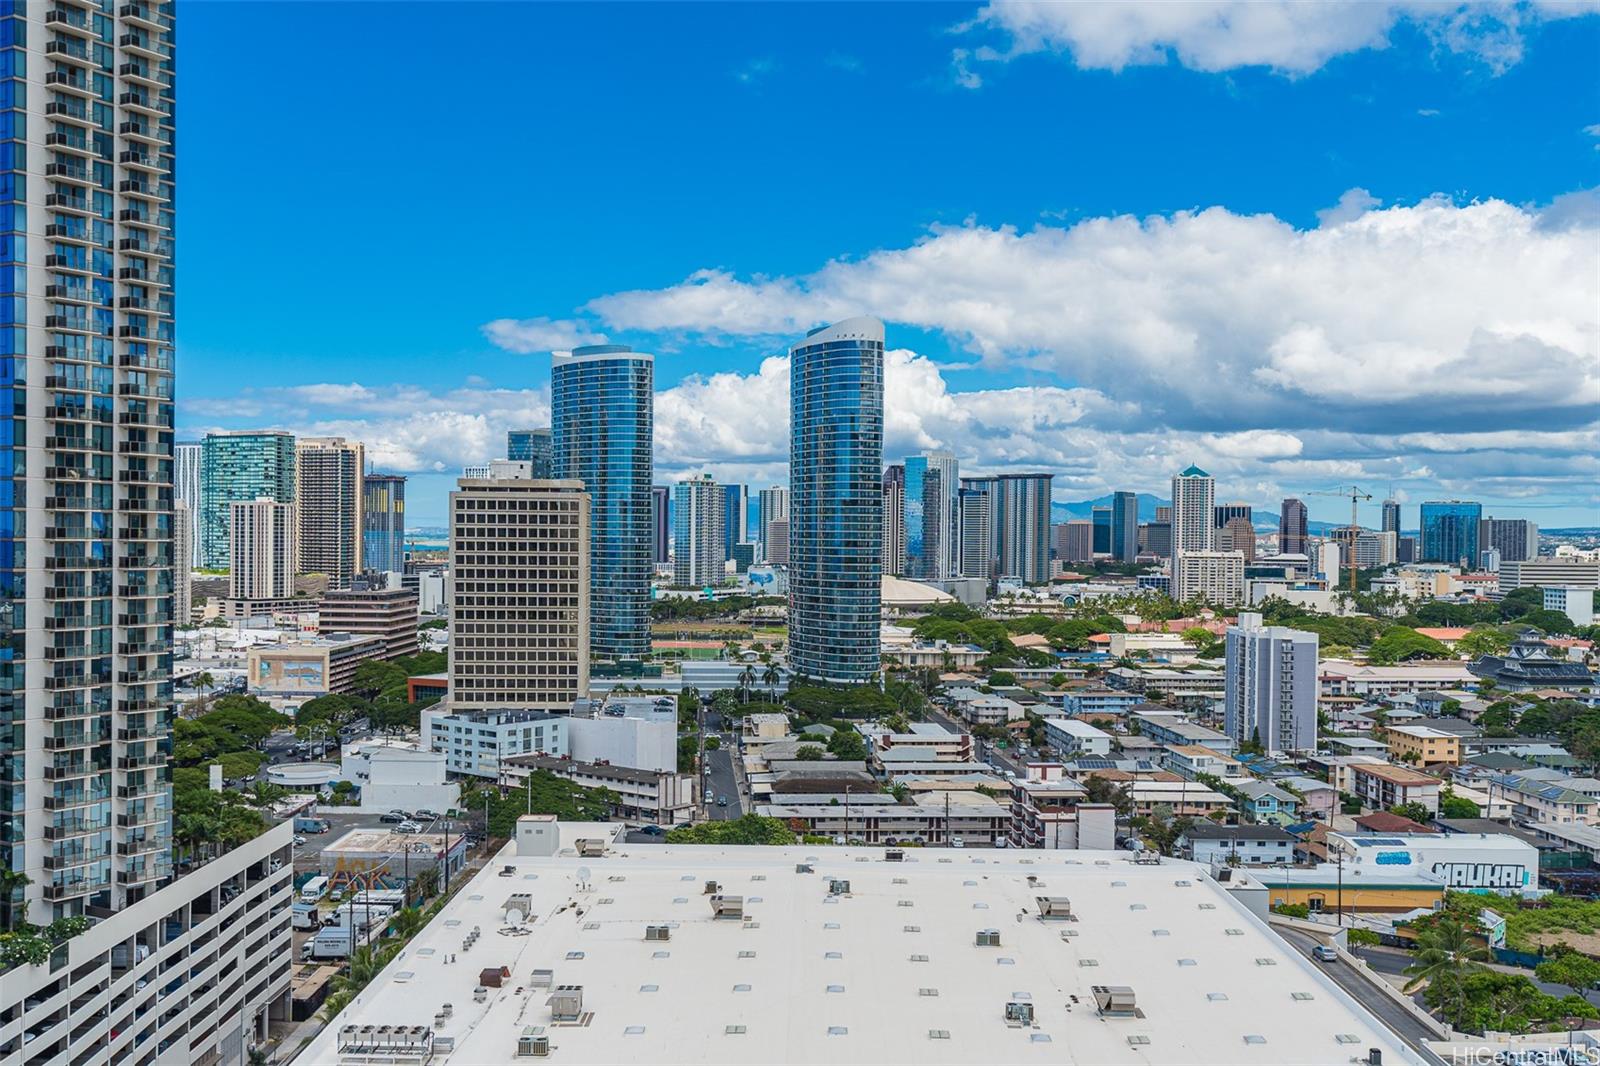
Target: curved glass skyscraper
<point>602,407</point>
<point>835,501</point>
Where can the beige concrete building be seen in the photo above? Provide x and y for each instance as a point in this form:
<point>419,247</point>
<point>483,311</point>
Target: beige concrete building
<point>519,618</point>
<point>1422,746</point>
<point>388,613</point>
<point>328,472</point>
<point>264,549</point>
<point>182,567</point>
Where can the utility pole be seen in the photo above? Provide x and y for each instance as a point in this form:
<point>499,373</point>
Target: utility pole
<point>1340,904</point>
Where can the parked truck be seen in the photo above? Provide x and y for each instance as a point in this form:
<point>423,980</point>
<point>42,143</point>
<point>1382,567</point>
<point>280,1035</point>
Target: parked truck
<point>307,823</point>
<point>306,916</point>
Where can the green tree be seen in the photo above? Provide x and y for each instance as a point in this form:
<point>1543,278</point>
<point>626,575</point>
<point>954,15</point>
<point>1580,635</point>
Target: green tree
<point>1576,971</point>
<point>748,829</point>
<point>203,684</point>
<point>1199,638</point>
<point>808,753</point>
<point>1418,813</point>
<point>1454,806</point>
<point>847,744</point>
<point>1399,644</point>
<point>1447,952</point>
<point>1483,640</point>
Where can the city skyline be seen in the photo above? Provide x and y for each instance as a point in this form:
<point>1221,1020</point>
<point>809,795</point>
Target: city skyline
<point>1144,382</point>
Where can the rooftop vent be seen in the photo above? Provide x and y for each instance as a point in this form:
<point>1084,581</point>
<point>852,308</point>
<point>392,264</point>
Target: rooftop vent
<point>542,979</point>
<point>712,888</point>
<point>1054,906</point>
<point>590,848</point>
<point>837,887</point>
<point>533,1043</point>
<point>658,932</point>
<point>804,868</point>
<point>1019,1015</point>
<point>1116,1001</point>
<point>893,855</point>
<point>727,907</point>
<point>566,1003</point>
<point>988,938</point>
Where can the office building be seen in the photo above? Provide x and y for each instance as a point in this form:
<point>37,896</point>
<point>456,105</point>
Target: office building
<point>186,463</point>
<point>736,510</point>
<point>927,529</point>
<point>519,613</point>
<point>836,501</point>
<point>1215,577</point>
<point>1074,540</point>
<point>1019,507</point>
<point>328,473</point>
<point>661,523</point>
<point>698,539</point>
<point>894,520</point>
<point>1576,603</point>
<point>239,466</point>
<point>771,505</point>
<point>1223,513</point>
<point>1158,539</point>
<point>976,533</point>
<point>1193,512</point>
<point>1549,572</point>
<point>1271,693</point>
<point>778,542</point>
<point>167,962</point>
<point>604,406</point>
<point>264,546</point>
<point>387,613</point>
<point>320,666</point>
<point>1238,535</point>
<point>1516,539</point>
<point>532,446</point>
<point>1292,528</point>
<point>1391,516</point>
<point>383,521</point>
<point>943,927</point>
<point>1124,526</point>
<point>1100,520</point>
<point>1450,532</point>
<point>182,573</point>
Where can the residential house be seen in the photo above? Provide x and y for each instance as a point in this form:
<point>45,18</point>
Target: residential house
<point>1265,802</point>
<point>1230,845</point>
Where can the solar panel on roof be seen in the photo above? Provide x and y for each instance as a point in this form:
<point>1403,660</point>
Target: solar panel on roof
<point>1379,842</point>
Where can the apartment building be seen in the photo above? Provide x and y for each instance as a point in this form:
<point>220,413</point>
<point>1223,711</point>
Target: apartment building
<point>389,613</point>
<point>1422,746</point>
<point>1050,810</point>
<point>1538,800</point>
<point>1381,786</point>
<point>329,492</point>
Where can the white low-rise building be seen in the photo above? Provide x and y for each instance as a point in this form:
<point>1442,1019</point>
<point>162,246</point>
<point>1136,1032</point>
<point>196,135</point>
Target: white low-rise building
<point>394,775</point>
<point>1073,736</point>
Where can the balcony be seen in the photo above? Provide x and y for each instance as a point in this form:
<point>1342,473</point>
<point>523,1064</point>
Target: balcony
<point>148,420</point>
<point>76,323</point>
<point>141,705</point>
<point>74,651</point>
<point>142,102</point>
<point>69,142</point>
<point>145,477</point>
<point>142,762</point>
<point>69,264</point>
<point>139,160</point>
<point>74,294</point>
<point>57,624</point>
<point>72,81</point>
<point>67,714</point>
<point>144,44</point>
<point>70,743</point>
<point>69,19</point>
<point>70,204</point>
<point>69,50</point>
<point>142,15</point>
<point>132,735</point>
<point>142,74</point>
<point>149,788</point>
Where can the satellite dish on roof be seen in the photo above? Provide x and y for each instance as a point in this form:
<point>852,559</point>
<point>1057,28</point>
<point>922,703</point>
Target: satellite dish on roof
<point>584,873</point>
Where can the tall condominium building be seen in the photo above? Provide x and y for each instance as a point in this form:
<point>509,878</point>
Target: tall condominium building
<point>977,533</point>
<point>182,572</point>
<point>264,547</point>
<point>1158,537</point>
<point>383,523</point>
<point>1217,577</point>
<point>927,529</point>
<point>239,465</point>
<point>328,473</point>
<point>1074,540</point>
<point>1238,535</point>
<point>1020,504</point>
<point>699,541</point>
<point>1450,532</point>
<point>1292,527</point>
<point>736,509</point>
<point>1124,526</point>
<point>187,457</point>
<point>661,523</point>
<point>771,504</point>
<point>1223,513</point>
<point>532,446</point>
<point>894,520</point>
<point>1516,539</point>
<point>836,501</point>
<point>603,404</point>
<point>1391,516</point>
<point>778,542</point>
<point>1100,521</point>
<point>1194,499</point>
<point>519,616</point>
<point>1271,693</point>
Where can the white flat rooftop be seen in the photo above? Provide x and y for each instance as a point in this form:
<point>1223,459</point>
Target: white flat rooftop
<point>889,973</point>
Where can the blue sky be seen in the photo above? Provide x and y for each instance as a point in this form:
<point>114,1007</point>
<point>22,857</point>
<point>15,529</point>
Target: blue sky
<point>1300,253</point>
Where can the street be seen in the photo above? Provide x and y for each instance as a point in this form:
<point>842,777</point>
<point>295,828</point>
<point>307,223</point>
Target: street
<point>722,782</point>
<point>1396,1017</point>
<point>1390,961</point>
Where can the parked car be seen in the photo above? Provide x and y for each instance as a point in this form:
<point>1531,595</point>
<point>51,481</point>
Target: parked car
<point>392,818</point>
<point>1324,953</point>
<point>652,830</point>
<point>408,827</point>
<point>425,815</point>
<point>401,813</point>
<point>300,841</point>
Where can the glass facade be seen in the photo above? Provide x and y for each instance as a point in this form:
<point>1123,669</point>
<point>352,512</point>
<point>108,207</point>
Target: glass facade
<point>383,540</point>
<point>532,446</point>
<point>1450,532</point>
<point>1124,526</point>
<point>239,466</point>
<point>602,406</point>
<point>924,519</point>
<point>86,355</point>
<point>836,501</point>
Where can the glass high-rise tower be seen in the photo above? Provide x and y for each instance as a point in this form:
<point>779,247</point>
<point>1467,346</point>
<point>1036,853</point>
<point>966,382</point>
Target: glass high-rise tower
<point>1450,532</point>
<point>603,405</point>
<point>383,514</point>
<point>240,466</point>
<point>531,446</point>
<point>836,501</point>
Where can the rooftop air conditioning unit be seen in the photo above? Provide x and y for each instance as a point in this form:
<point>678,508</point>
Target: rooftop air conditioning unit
<point>894,855</point>
<point>658,932</point>
<point>838,887</point>
<point>712,888</point>
<point>1115,1000</point>
<point>1054,906</point>
<point>542,979</point>
<point>988,938</point>
<point>591,848</point>
<point>566,1003</point>
<point>803,868</point>
<point>1019,1014</point>
<point>727,907</point>
<point>533,1044</point>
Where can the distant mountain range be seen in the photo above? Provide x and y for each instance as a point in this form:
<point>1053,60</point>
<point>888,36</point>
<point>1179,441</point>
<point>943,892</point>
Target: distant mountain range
<point>1264,521</point>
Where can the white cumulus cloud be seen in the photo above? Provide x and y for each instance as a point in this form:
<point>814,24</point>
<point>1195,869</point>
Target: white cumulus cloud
<point>527,336</point>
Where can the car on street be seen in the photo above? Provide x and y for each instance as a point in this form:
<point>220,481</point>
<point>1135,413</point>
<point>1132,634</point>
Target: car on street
<point>424,814</point>
<point>408,827</point>
<point>722,801</point>
<point>300,841</point>
<point>1324,953</point>
<point>392,818</point>
<point>651,830</point>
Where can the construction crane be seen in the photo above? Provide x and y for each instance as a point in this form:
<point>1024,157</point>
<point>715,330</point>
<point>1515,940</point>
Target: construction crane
<point>1356,496</point>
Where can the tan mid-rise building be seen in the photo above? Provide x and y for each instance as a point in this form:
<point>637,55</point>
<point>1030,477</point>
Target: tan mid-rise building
<point>1422,746</point>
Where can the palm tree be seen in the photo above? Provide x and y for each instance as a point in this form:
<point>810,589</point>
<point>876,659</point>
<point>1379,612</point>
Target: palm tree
<point>202,684</point>
<point>1447,951</point>
<point>408,921</point>
<point>16,911</point>
<point>747,677</point>
<point>771,676</point>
